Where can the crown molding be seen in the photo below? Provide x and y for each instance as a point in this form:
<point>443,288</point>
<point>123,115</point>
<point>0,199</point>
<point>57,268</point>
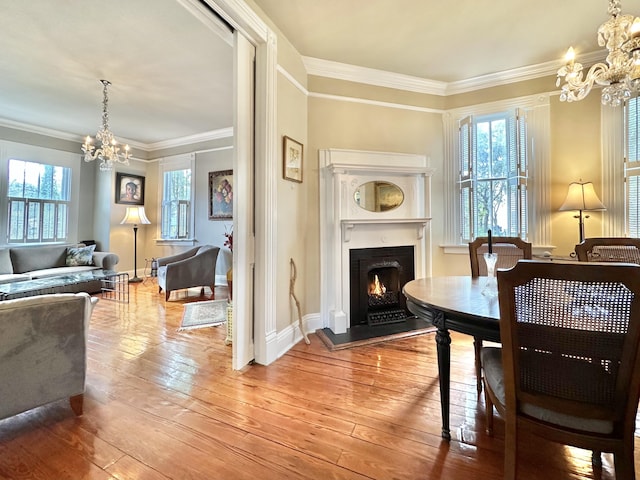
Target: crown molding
<point>190,139</point>
<point>371,76</point>
<point>147,147</point>
<point>49,132</point>
<point>381,78</point>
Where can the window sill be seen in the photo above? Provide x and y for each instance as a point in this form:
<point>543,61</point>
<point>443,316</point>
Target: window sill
<point>176,241</point>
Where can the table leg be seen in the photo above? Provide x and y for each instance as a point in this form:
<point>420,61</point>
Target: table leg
<point>443,344</point>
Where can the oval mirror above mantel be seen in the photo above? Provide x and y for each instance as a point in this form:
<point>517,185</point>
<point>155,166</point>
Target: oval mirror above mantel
<point>378,196</point>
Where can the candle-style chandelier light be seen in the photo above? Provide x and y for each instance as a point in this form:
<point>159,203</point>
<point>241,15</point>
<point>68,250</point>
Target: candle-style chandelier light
<point>109,151</point>
<point>620,75</point>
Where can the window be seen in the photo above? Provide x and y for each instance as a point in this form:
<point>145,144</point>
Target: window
<point>176,203</point>
<point>497,170</point>
<point>38,202</point>
<point>632,168</point>
<point>493,176</point>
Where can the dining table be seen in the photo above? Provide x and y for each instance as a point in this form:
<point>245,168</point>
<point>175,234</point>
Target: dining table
<point>453,303</point>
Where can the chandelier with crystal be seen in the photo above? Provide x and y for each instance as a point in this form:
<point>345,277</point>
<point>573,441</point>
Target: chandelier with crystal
<point>109,151</point>
<point>620,75</point>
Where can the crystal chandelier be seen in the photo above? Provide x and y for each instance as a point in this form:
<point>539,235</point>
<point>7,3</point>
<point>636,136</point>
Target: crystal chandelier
<point>109,151</point>
<point>620,76</point>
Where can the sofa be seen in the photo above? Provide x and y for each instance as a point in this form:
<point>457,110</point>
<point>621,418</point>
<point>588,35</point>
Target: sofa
<point>43,351</point>
<point>194,268</point>
<point>41,261</point>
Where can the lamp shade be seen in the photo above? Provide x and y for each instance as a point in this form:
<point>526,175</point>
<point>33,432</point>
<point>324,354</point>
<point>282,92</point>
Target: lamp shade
<point>135,216</point>
<point>582,196</point>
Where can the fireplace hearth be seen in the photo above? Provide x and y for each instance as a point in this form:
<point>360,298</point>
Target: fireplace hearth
<point>377,276</point>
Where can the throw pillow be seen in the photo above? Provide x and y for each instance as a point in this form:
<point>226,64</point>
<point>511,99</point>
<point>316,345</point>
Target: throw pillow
<point>77,256</point>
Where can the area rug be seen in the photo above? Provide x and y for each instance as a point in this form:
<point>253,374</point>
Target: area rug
<point>360,336</point>
<point>204,314</point>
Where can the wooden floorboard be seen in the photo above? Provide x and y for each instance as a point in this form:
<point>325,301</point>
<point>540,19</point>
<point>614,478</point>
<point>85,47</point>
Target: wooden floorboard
<point>164,404</point>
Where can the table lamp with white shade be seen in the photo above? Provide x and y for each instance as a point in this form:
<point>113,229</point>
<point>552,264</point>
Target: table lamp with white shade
<point>582,197</point>
<point>135,216</point>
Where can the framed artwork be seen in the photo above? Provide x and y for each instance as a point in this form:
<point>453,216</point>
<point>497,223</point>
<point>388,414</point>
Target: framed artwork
<point>292,159</point>
<point>129,189</point>
<point>221,195</point>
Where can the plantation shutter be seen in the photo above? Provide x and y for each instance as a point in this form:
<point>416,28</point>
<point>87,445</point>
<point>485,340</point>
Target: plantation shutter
<point>517,176</point>
<point>632,168</point>
<point>466,179</point>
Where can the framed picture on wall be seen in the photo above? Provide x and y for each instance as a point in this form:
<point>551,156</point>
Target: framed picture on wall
<point>221,195</point>
<point>292,159</point>
<point>129,189</point>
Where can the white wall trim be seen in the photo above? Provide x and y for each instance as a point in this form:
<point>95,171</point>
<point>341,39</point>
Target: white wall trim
<point>291,79</point>
<point>198,10</point>
<point>291,335</point>
<point>266,187</point>
<point>376,103</point>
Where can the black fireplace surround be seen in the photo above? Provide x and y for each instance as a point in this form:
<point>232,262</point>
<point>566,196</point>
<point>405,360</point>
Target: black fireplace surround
<point>377,276</point>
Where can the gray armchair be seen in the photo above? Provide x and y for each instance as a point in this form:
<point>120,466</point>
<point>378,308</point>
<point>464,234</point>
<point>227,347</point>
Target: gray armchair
<point>193,268</point>
<point>43,351</point>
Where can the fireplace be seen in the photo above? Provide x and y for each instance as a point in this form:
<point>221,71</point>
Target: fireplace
<point>377,276</point>
<point>395,243</point>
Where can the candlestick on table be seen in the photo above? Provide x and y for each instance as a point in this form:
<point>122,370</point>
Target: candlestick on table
<point>490,245</point>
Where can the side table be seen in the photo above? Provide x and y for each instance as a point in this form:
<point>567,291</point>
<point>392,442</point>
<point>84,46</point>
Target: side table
<point>115,286</point>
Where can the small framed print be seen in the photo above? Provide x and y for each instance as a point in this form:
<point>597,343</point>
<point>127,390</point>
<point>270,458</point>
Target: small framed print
<point>221,195</point>
<point>129,189</point>
<point>292,156</point>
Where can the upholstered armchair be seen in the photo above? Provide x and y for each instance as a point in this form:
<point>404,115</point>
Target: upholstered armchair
<point>43,351</point>
<point>194,268</point>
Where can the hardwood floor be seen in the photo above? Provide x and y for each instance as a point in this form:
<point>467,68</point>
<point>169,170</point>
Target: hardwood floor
<point>164,404</point>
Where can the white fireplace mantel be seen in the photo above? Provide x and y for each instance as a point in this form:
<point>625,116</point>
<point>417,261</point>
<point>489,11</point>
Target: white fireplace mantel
<point>345,226</point>
<point>349,225</point>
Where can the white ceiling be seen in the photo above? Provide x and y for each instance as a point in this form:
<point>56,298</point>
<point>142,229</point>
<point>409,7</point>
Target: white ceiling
<point>447,41</point>
<point>172,74</point>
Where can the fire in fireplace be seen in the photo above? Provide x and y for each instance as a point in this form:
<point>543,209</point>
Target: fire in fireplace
<point>377,276</point>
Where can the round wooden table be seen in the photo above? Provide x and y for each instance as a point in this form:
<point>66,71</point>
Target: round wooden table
<point>453,303</point>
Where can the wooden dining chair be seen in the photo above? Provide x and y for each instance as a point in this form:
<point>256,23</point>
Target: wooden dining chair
<point>569,366</point>
<point>609,249</point>
<point>509,251</point>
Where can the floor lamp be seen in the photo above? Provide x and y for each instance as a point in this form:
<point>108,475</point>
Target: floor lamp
<point>582,197</point>
<point>135,216</point>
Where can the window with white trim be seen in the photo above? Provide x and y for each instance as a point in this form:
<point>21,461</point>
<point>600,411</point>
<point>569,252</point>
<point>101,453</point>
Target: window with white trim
<point>38,202</point>
<point>176,203</point>
<point>493,176</point>
<point>497,172</point>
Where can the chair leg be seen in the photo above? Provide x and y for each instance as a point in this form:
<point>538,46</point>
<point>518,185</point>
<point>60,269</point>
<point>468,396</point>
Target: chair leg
<point>510,449</point>
<point>77,402</point>
<point>166,298</point>
<point>488,408</point>
<point>596,459</point>
<point>159,289</point>
<point>201,291</point>
<point>213,292</point>
<point>624,465</point>
<point>477,346</point>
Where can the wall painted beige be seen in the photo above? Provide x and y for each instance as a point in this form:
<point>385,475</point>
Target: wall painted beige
<point>575,155</point>
<point>575,149</point>
<point>294,208</point>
